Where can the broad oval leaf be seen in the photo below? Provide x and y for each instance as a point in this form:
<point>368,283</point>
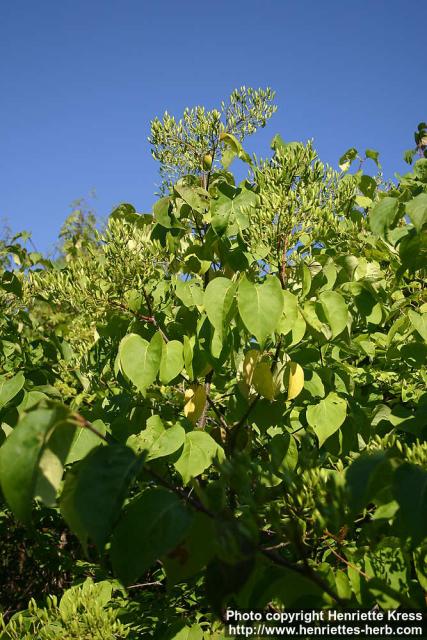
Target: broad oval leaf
<point>218,301</point>
<point>152,525</point>
<point>284,453</point>
<point>196,197</point>
<point>290,313</point>
<point>260,306</point>
<point>139,359</point>
<point>419,322</point>
<point>199,451</point>
<point>335,310</point>
<point>410,491</point>
<point>86,440</point>
<point>194,552</point>
<point>383,215</point>
<point>347,158</point>
<point>417,211</point>
<point>190,292</point>
<point>10,387</point>
<point>327,416</point>
<point>156,440</point>
<point>94,491</point>
<point>32,457</point>
<point>172,362</point>
<point>195,632</point>
<point>234,148</point>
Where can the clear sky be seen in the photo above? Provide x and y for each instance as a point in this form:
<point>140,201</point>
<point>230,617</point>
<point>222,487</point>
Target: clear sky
<point>80,81</point>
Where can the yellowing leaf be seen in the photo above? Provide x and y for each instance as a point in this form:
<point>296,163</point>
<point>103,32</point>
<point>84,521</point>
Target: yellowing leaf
<point>263,382</point>
<point>295,378</point>
<point>195,400</point>
<point>249,363</point>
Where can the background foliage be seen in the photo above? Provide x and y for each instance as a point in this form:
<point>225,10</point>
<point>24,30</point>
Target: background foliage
<point>222,402</point>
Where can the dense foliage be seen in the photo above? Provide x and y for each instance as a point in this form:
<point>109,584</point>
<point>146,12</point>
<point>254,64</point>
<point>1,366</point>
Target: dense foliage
<point>225,400</point>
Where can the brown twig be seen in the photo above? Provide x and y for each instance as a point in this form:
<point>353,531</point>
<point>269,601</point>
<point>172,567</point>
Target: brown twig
<point>341,558</point>
<point>146,585</point>
<point>284,249</point>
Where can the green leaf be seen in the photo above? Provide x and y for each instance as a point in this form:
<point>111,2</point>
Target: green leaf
<point>284,453</point>
<point>189,292</point>
<point>384,215</point>
<point>234,149</point>
<point>410,491</point>
<point>335,310</point>
<point>139,359</point>
<point>33,456</point>
<point>408,155</point>
<point>419,322</point>
<point>157,440</point>
<point>417,211</point>
<point>368,307</point>
<point>313,384</point>
<point>195,632</point>
<point>172,362</point>
<point>188,351</point>
<point>94,491</point>
<point>367,186</point>
<point>230,210</point>
<point>373,155</point>
<point>387,569</point>
<point>10,387</point>
<point>290,313</point>
<point>363,201</point>
<point>420,562</point>
<point>260,306</point>
<point>311,312</point>
<point>327,416</point>
<point>85,440</point>
<point>196,197</point>
<point>413,250</point>
<point>294,590</point>
<point>194,552</point>
<point>199,451</point>
<point>162,212</point>
<point>218,301</point>
<point>152,525</point>
<point>298,329</point>
<point>305,278</point>
<point>134,300</point>
<point>11,283</point>
<point>347,158</point>
<point>367,476</point>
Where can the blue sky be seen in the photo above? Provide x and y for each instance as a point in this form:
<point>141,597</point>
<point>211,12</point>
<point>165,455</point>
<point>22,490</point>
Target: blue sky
<point>80,81</point>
